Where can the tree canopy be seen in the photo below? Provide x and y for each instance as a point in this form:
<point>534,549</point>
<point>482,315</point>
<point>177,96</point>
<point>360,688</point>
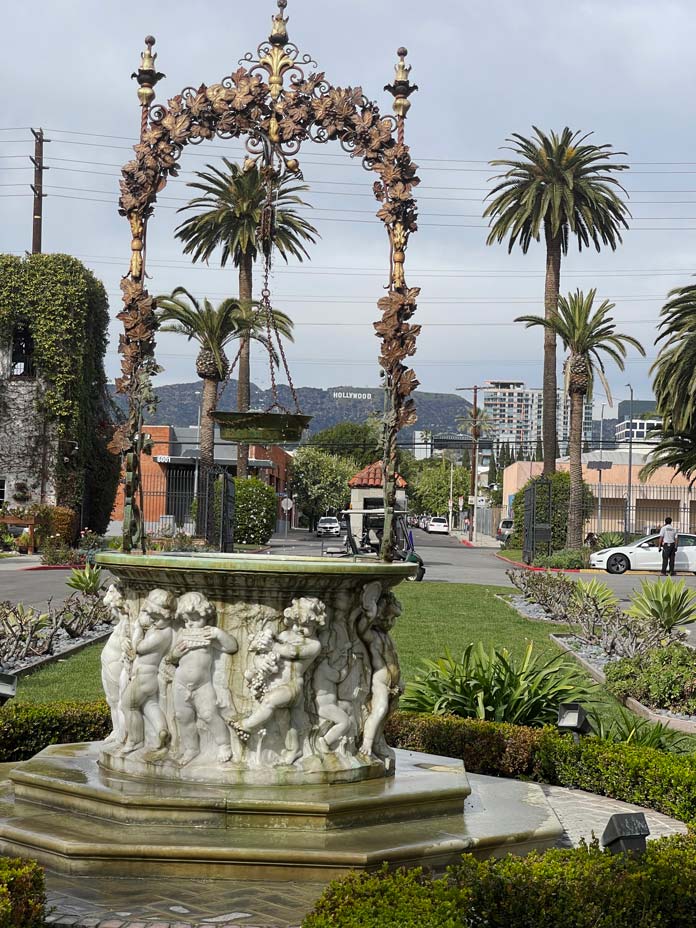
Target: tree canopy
<point>320,482</point>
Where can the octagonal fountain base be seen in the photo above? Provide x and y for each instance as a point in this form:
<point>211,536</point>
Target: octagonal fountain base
<point>62,810</point>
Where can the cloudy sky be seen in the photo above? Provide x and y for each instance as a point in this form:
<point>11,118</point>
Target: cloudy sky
<point>485,68</point>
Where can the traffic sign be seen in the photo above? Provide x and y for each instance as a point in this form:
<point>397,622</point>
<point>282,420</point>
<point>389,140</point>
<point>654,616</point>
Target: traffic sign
<point>286,504</point>
<point>599,465</point>
<point>461,503</point>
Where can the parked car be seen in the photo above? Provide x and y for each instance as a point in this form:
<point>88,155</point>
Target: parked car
<point>438,524</point>
<point>328,525</point>
<point>505,529</point>
<point>644,554</point>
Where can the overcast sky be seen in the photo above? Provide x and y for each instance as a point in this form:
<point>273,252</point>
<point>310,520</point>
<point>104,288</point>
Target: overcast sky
<point>485,68</point>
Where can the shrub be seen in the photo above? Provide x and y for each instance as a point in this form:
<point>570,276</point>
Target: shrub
<point>62,521</point>
<point>626,728</point>
<point>553,592</point>
<point>495,685</point>
<point>26,729</point>
<point>583,887</point>
<point>664,678</point>
<point>560,497</point>
<point>256,509</point>
<point>22,893</point>
<point>25,632</point>
<point>565,559</point>
<point>645,776</point>
<point>54,552</point>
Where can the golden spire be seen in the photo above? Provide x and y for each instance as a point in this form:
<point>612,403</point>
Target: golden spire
<point>147,76</point>
<point>402,88</point>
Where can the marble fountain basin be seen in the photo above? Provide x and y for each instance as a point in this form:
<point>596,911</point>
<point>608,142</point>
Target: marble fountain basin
<point>248,697</point>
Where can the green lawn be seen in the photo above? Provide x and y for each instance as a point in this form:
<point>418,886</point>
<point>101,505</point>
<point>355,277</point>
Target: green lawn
<point>436,616</point>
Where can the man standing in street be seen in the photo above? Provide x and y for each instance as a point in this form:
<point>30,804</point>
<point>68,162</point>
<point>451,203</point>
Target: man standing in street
<point>669,540</point>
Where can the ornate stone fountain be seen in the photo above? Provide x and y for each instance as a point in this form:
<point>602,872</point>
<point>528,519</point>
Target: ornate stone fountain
<point>248,694</point>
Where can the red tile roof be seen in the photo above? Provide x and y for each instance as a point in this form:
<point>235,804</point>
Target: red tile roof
<point>371,476</point>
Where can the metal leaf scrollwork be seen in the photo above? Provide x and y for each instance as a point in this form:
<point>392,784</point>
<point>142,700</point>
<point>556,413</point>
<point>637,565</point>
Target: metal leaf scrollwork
<point>269,112</point>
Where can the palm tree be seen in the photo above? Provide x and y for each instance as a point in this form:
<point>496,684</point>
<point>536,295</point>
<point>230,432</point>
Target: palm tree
<point>586,334</point>
<point>675,367</point>
<point>214,328</point>
<point>674,386</point>
<point>228,216</point>
<point>563,187</point>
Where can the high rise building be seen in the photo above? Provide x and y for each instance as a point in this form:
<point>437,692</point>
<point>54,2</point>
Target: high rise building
<point>516,414</point>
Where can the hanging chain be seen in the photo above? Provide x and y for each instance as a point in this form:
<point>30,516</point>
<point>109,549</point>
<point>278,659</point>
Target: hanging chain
<point>267,233</point>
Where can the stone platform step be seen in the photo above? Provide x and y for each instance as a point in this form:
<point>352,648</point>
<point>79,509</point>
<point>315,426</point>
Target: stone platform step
<point>499,816</point>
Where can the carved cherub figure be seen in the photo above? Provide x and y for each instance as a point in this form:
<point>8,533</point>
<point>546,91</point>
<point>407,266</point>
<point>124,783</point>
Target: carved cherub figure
<point>115,665</point>
<point>278,679</point>
<point>380,611</point>
<point>152,640</point>
<point>193,656</point>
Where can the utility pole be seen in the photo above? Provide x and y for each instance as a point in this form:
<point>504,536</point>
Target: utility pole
<point>473,482</point>
<point>37,187</point>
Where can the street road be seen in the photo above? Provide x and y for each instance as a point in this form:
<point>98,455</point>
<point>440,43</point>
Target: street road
<point>446,559</point>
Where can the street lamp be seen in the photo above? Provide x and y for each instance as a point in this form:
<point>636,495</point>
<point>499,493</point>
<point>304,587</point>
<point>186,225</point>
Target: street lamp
<point>627,515</point>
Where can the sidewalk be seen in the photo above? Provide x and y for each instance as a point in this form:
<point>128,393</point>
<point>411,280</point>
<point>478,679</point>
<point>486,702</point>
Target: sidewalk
<point>20,562</point>
<point>482,541</point>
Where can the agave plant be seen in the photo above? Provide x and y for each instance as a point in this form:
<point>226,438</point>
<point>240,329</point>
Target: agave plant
<point>87,580</point>
<point>496,686</point>
<point>609,540</point>
<point>664,604</point>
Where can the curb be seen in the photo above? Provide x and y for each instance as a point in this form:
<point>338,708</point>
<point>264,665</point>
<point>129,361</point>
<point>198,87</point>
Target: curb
<point>552,570</point>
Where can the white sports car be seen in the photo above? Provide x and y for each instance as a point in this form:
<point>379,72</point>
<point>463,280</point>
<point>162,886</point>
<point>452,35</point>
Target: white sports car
<point>644,554</point>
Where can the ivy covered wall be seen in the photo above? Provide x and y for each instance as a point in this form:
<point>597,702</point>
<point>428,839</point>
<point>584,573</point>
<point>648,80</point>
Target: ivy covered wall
<point>66,311</point>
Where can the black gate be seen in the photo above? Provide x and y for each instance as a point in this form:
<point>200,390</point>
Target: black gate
<point>536,534</point>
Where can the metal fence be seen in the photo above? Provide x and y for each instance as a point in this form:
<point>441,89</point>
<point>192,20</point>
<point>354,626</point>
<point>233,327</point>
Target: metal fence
<point>639,509</point>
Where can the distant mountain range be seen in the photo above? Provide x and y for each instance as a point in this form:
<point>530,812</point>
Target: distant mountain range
<point>437,412</point>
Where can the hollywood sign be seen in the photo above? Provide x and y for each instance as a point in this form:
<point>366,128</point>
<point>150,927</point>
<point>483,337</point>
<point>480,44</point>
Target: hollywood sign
<point>340,395</point>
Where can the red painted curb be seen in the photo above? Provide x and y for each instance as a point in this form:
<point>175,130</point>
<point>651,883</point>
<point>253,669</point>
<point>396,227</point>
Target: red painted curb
<point>553,570</point>
<point>465,541</point>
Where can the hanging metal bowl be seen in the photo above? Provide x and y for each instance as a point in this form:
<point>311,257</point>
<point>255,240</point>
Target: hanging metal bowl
<point>265,428</point>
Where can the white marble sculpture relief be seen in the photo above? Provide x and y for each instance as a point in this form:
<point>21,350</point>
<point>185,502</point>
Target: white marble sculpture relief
<point>192,662</point>
<point>218,691</point>
<point>146,723</point>
<point>115,665</point>
<point>278,679</point>
<point>380,612</point>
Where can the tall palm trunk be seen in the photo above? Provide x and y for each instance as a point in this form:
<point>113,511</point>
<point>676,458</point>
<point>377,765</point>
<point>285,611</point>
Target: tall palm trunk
<point>575,514</point>
<point>551,290</point>
<point>207,459</point>
<point>244,381</point>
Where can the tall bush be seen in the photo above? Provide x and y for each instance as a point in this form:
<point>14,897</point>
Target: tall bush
<point>560,501</point>
<point>256,509</point>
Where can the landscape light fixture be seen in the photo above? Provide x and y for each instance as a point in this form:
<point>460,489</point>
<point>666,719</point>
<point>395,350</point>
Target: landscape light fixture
<point>626,831</point>
<point>8,687</point>
<point>572,717</point>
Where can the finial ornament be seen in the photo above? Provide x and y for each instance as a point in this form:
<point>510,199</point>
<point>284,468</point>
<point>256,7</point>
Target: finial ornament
<point>147,75</point>
<point>279,32</point>
<point>402,88</point>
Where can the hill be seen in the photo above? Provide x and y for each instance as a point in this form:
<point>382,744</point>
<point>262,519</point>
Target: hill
<point>437,412</point>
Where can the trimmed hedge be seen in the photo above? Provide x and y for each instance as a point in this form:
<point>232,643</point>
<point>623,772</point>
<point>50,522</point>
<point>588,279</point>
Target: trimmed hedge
<point>580,888</point>
<point>647,777</point>
<point>27,728</point>
<point>22,893</point>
